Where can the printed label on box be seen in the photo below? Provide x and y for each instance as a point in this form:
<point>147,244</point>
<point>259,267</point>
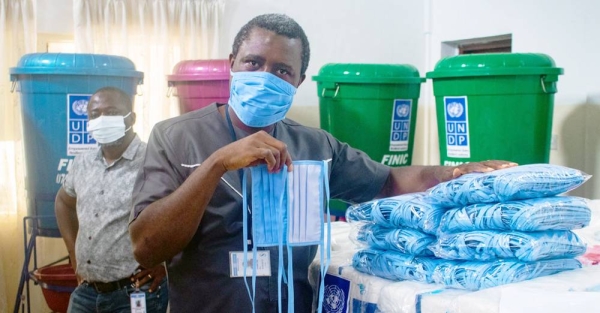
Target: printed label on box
<point>336,295</point>
<point>400,130</point>
<point>78,138</point>
<point>457,127</point>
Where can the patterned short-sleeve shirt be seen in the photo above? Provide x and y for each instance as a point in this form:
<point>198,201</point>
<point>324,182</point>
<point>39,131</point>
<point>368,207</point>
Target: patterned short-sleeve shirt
<point>103,247</point>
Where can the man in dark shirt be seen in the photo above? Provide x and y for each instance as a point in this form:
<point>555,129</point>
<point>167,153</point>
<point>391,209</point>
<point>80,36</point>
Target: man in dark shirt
<point>188,195</point>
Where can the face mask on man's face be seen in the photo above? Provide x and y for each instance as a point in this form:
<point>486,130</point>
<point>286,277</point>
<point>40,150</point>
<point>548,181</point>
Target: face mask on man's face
<point>260,99</point>
<point>107,129</point>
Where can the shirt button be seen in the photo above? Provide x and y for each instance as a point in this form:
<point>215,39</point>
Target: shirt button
<point>90,237</point>
<point>89,262</point>
<point>101,192</point>
<point>96,215</point>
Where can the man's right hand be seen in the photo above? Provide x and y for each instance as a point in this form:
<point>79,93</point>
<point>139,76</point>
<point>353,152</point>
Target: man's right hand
<point>258,148</point>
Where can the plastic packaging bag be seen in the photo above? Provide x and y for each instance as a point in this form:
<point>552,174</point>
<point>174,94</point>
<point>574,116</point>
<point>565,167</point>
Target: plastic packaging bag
<point>550,213</point>
<point>404,240</point>
<point>411,210</point>
<point>395,266</point>
<point>487,245</point>
<point>363,212</point>
<point>514,183</point>
<point>474,275</point>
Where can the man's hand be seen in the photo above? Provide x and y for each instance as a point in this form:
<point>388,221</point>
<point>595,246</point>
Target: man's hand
<point>418,178</point>
<point>258,148</point>
<point>154,275</point>
<point>478,167</point>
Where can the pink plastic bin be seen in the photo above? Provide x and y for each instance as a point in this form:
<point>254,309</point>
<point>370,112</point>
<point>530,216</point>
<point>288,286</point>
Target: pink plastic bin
<point>199,83</point>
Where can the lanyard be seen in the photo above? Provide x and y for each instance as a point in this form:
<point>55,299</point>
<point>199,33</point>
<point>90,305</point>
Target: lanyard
<point>233,138</point>
<point>241,174</point>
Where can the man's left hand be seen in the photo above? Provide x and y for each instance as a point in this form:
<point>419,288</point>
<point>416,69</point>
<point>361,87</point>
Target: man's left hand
<point>480,167</point>
<point>154,275</point>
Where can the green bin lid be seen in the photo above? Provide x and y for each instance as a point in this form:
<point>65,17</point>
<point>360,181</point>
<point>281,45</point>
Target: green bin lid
<point>490,64</point>
<point>368,73</point>
<point>75,64</point>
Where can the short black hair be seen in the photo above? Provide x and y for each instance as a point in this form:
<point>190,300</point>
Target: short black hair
<point>120,95</point>
<point>280,24</point>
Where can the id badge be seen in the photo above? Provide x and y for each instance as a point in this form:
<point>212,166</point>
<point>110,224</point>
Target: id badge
<point>138,302</point>
<point>236,263</point>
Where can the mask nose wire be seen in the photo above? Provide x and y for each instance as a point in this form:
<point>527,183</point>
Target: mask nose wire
<point>222,178</point>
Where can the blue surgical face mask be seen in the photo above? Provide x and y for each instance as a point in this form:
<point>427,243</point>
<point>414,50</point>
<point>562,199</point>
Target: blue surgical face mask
<point>260,99</point>
<point>287,211</point>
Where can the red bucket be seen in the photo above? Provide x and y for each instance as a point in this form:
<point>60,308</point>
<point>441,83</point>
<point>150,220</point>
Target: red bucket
<point>199,83</point>
<point>57,282</point>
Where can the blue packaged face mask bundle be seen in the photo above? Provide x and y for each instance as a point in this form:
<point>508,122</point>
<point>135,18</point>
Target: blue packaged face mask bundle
<point>486,245</point>
<point>551,213</point>
<point>395,266</point>
<point>287,211</point>
<point>514,183</point>
<point>414,210</point>
<point>474,275</point>
<point>361,212</point>
<point>405,240</point>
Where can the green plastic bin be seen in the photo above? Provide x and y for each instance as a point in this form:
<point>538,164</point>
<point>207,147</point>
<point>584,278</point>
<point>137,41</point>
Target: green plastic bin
<point>372,107</point>
<point>495,106</point>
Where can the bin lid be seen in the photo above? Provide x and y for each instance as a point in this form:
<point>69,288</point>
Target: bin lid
<point>368,73</point>
<point>75,64</point>
<point>490,64</point>
<point>190,70</point>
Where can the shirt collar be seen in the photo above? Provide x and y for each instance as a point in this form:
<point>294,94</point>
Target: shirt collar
<point>128,154</point>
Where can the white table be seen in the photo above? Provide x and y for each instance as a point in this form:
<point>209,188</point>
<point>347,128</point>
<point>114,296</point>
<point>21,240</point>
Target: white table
<point>570,291</point>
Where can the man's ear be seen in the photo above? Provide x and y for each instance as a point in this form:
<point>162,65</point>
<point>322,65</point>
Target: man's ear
<point>133,118</point>
<point>231,60</point>
<point>302,77</point>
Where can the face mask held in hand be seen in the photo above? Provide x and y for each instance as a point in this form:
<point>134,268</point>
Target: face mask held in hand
<point>106,129</point>
<point>260,99</point>
<point>288,211</point>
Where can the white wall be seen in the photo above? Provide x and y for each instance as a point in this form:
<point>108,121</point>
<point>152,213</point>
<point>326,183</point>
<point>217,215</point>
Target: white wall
<point>568,31</point>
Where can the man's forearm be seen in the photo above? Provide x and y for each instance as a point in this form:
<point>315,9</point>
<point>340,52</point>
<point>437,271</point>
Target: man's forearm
<point>419,178</point>
<point>166,226</point>
<point>414,178</point>
<point>68,224</point>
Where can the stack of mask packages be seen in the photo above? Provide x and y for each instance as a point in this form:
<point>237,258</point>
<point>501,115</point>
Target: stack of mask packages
<point>477,231</point>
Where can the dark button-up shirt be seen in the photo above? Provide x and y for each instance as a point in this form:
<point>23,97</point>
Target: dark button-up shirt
<point>199,276</point>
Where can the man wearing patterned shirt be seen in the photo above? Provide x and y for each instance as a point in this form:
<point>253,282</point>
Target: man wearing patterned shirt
<point>92,211</point>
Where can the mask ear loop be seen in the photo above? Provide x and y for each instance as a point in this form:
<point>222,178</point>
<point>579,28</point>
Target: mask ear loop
<point>290,282</point>
<point>282,212</point>
<point>324,179</point>
<point>124,117</point>
<point>245,238</point>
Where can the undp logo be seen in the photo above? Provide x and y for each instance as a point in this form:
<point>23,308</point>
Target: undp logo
<point>334,299</point>
<point>403,110</point>
<point>455,109</point>
<point>80,107</point>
